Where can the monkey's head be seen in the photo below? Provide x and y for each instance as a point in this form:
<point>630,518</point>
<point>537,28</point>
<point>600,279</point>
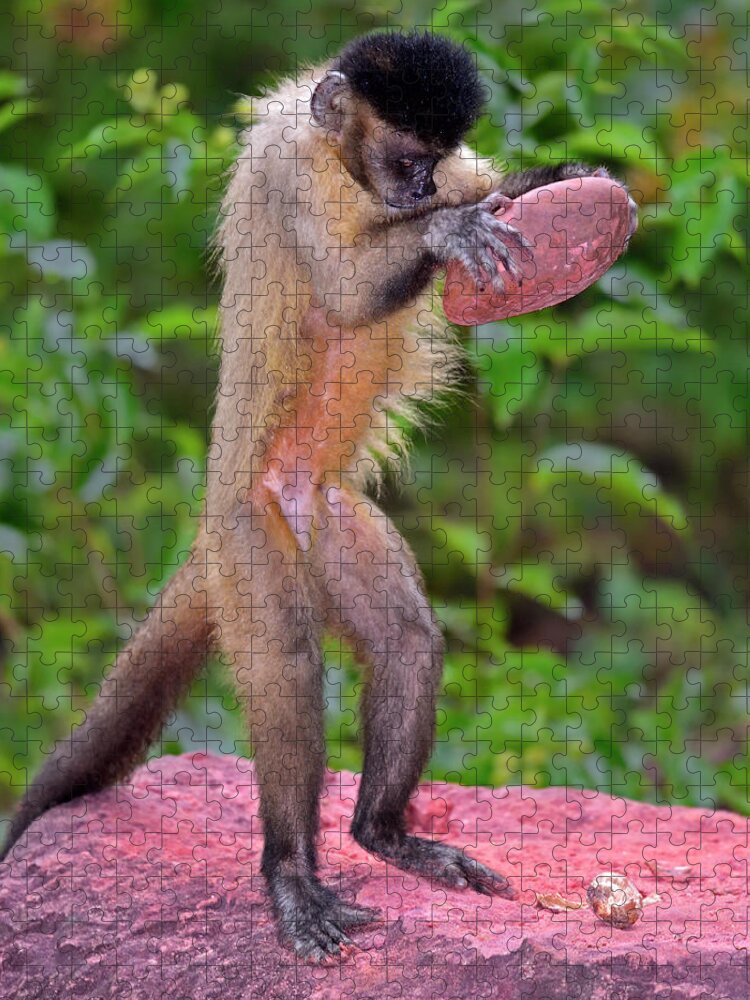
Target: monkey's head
<point>396,105</point>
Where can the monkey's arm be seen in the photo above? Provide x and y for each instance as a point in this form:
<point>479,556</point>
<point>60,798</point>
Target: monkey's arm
<point>389,264</point>
<point>469,233</point>
<point>515,184</point>
<point>394,261</point>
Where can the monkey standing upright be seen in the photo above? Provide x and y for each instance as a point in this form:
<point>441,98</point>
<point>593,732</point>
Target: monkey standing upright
<point>351,191</point>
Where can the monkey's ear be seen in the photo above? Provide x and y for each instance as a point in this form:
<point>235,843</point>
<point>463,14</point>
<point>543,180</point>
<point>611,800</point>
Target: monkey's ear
<point>327,105</point>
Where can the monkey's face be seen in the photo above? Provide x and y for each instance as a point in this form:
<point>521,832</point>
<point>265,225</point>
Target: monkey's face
<point>395,166</point>
<point>399,170</point>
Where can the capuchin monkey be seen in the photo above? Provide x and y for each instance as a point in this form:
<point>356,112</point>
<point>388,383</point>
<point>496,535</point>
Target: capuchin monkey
<point>351,191</point>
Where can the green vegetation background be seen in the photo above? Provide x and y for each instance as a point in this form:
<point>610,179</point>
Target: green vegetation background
<point>581,512</point>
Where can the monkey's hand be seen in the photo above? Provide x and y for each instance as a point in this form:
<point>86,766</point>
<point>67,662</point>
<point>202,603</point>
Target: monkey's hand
<point>474,236</point>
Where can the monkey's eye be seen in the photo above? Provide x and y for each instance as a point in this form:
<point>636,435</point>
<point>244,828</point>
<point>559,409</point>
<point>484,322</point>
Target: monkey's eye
<point>406,164</point>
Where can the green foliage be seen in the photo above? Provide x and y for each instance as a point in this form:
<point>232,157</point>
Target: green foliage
<point>581,515</point>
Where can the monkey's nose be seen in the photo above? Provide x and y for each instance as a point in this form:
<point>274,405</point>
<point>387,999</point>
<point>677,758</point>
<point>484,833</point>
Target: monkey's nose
<point>426,191</point>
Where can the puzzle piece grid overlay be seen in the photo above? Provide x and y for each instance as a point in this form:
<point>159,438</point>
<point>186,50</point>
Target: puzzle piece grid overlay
<point>579,510</point>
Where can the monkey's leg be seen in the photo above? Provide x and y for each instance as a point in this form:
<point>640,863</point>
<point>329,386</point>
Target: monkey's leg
<point>376,596</point>
<point>150,675</point>
<point>269,629</point>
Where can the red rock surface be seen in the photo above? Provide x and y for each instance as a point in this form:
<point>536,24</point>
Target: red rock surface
<point>152,890</point>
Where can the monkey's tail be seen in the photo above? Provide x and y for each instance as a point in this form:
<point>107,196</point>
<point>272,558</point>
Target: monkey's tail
<point>147,681</point>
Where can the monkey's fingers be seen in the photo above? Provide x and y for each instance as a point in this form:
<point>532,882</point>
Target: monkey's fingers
<point>336,935</point>
<point>509,263</point>
<point>488,260</point>
<point>633,219</point>
<point>514,240</point>
<point>313,954</point>
<point>487,273</point>
<point>505,245</point>
<point>497,202</point>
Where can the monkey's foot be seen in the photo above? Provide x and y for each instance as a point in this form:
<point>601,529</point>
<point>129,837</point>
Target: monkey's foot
<point>312,918</point>
<point>447,865</point>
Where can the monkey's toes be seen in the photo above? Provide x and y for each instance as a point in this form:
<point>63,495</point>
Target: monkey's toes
<point>466,873</point>
<point>314,932</point>
<point>347,914</point>
<point>319,942</point>
<point>445,864</point>
<point>456,870</point>
<point>312,918</point>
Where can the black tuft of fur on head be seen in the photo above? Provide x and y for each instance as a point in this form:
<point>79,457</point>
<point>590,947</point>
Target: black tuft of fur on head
<point>419,83</point>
